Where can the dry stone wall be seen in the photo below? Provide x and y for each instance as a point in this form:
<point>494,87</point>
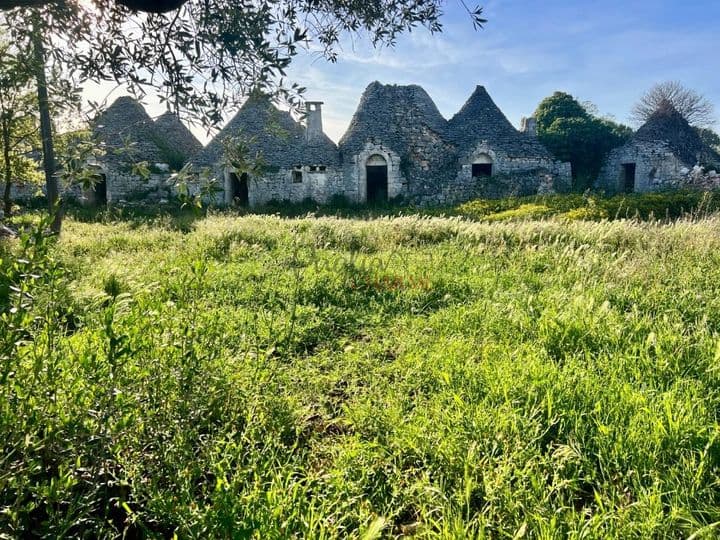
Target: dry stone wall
<point>124,186</point>
<point>510,175</point>
<point>23,191</point>
<point>280,186</point>
<point>656,167</point>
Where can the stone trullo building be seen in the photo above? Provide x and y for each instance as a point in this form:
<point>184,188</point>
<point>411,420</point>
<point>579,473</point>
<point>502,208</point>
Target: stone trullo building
<point>660,155</point>
<point>129,135</point>
<point>300,162</point>
<point>398,147</point>
<point>495,159</point>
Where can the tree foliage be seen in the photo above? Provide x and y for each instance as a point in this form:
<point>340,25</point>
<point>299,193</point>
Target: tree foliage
<point>205,57</point>
<point>153,6</point>
<point>574,134</point>
<point>54,90</point>
<point>18,122</point>
<point>693,106</point>
<point>78,152</point>
<point>710,138</point>
<point>559,105</point>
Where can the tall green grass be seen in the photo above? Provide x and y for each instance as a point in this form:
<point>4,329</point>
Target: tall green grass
<point>267,377</point>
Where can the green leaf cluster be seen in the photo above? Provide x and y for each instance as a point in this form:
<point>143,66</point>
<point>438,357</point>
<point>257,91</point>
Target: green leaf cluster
<point>590,206</point>
<point>573,134</point>
<point>18,122</point>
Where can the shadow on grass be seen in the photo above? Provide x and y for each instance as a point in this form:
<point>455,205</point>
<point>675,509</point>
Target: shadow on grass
<point>182,218</point>
<point>668,205</point>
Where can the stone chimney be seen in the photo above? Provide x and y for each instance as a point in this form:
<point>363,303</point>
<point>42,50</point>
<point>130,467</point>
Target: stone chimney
<point>313,111</point>
<point>529,126</point>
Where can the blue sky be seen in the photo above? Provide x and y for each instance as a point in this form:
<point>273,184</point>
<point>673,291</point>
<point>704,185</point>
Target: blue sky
<point>607,52</point>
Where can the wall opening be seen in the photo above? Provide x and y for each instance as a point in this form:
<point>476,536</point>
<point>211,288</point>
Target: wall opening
<point>239,189</point>
<point>297,176</point>
<point>376,172</point>
<point>481,169</point>
<point>100,190</point>
<point>628,177</point>
<point>482,166</point>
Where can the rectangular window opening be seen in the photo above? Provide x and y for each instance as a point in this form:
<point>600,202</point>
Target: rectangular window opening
<point>480,170</point>
<point>297,177</point>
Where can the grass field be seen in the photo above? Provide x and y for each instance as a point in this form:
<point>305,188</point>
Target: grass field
<point>323,377</point>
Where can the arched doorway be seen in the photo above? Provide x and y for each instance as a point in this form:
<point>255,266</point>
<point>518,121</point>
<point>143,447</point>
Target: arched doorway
<point>376,173</point>
<point>239,189</point>
<point>482,166</point>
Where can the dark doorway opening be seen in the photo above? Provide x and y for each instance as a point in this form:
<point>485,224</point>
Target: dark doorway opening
<point>239,189</point>
<point>377,183</point>
<point>100,190</point>
<point>480,170</point>
<point>628,177</point>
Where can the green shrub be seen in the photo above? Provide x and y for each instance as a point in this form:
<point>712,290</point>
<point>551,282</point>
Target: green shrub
<point>658,205</point>
<point>585,213</point>
<point>524,211</point>
<point>670,204</point>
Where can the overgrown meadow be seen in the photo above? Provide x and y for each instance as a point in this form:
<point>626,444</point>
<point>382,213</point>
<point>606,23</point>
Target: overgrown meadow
<point>322,377</point>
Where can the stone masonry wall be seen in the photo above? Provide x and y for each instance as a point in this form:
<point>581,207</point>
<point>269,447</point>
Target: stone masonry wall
<point>122,186</point>
<point>317,185</point>
<point>354,183</point>
<point>511,177</point>
<point>429,174</point>
<point>416,175</point>
<point>23,191</point>
<point>520,184</point>
<point>657,168</point>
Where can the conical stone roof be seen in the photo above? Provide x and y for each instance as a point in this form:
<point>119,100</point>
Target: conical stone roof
<point>480,119</point>
<point>667,125</point>
<point>273,133</point>
<point>172,133</point>
<point>126,121</point>
<point>397,116</point>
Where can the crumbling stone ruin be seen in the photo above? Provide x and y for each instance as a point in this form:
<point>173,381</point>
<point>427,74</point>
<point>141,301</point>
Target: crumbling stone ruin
<point>398,147</point>
<point>128,135</point>
<point>665,153</point>
<point>300,162</point>
<point>495,159</point>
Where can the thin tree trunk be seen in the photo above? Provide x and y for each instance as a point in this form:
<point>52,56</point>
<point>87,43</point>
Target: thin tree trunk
<point>8,168</point>
<point>7,198</point>
<point>51,181</point>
